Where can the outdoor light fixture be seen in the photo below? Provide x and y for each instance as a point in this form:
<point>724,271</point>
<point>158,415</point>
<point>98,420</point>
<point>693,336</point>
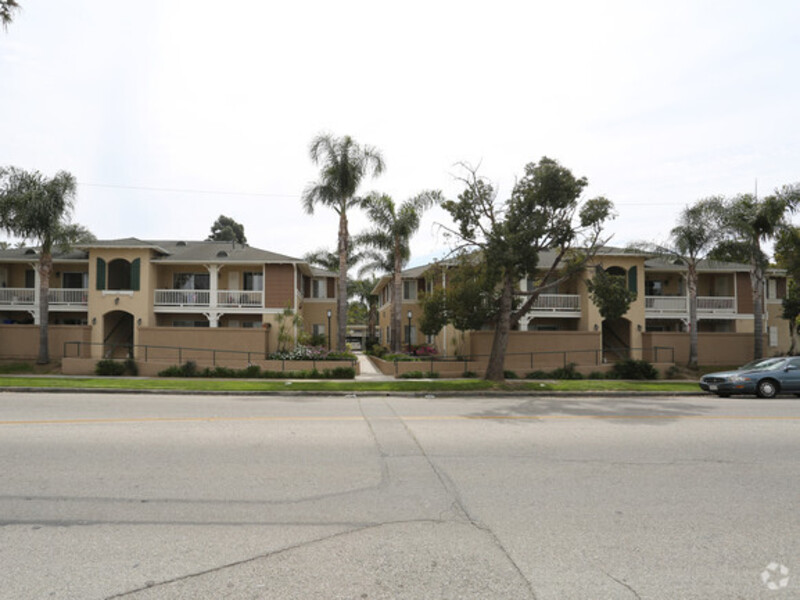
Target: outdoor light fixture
<point>329,329</point>
<point>409,330</point>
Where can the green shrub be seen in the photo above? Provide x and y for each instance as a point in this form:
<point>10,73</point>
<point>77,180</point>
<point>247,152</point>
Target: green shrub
<point>567,372</point>
<point>419,375</point>
<point>510,375</point>
<point>469,375</point>
<point>109,367</point>
<point>596,375</point>
<point>131,368</point>
<point>538,375</point>
<point>634,369</point>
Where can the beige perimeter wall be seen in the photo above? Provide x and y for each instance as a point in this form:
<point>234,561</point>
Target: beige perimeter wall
<point>728,349</point>
<point>236,340</point>
<point>22,341</point>
<point>550,348</point>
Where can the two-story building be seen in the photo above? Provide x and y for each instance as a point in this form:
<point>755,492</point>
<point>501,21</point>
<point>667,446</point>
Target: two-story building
<point>656,326</point>
<point>118,296</point>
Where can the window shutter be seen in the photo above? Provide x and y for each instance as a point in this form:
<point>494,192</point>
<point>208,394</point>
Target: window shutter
<point>136,267</point>
<point>633,280</point>
<point>101,274</point>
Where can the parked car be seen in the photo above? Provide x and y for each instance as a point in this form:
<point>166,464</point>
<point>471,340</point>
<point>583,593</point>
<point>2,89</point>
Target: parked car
<point>765,378</point>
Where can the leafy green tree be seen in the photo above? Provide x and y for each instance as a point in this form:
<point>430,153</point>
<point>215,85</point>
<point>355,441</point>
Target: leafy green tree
<point>37,208</point>
<point>542,214</point>
<point>7,10</point>
<point>343,165</point>
<point>791,312</point>
<point>362,289</point>
<point>690,242</point>
<point>747,223</point>
<point>434,311</point>
<point>610,294</point>
<point>226,229</point>
<point>390,238</point>
<point>787,256</point>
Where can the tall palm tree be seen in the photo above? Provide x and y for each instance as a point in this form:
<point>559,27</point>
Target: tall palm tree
<point>690,242</point>
<point>35,207</point>
<point>7,8</point>
<point>343,165</point>
<point>362,288</point>
<point>747,223</point>
<point>392,229</point>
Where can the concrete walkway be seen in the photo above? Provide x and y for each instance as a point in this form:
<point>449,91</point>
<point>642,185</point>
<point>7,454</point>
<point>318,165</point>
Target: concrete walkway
<point>368,371</point>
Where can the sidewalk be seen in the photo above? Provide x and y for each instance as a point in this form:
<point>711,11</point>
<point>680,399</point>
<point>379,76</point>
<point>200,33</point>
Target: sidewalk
<point>368,370</point>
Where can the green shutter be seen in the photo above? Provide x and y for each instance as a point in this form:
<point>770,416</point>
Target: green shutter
<point>136,268</point>
<point>633,282</point>
<point>101,274</point>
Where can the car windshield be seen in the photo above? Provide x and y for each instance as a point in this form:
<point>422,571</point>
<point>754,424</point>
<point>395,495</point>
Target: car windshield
<point>764,364</point>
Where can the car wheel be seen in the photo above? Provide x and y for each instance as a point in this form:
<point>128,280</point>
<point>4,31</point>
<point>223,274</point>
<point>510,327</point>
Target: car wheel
<point>767,388</point>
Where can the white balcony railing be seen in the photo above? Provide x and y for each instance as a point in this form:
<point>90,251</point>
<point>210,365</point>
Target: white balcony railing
<point>182,298</point>
<point>68,297</point>
<point>55,297</point>
<point>202,298</point>
<point>17,296</point>
<point>239,298</point>
<point>680,304</point>
<point>557,303</point>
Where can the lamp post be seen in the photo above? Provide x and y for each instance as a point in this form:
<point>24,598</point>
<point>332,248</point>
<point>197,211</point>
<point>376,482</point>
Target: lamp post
<point>329,330</point>
<point>409,330</point>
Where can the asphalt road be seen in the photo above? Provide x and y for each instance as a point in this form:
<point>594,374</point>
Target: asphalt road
<point>148,497</point>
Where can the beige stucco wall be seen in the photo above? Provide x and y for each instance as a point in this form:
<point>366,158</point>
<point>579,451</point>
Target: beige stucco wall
<point>314,312</point>
<point>137,303</point>
<point>533,350</point>
<point>22,341</point>
<point>727,349</point>
<point>234,340</point>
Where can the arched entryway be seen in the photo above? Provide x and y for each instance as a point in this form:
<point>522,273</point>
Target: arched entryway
<point>616,339</point>
<point>118,334</point>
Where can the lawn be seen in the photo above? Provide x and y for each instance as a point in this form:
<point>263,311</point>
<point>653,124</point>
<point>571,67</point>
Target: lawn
<point>262,385</point>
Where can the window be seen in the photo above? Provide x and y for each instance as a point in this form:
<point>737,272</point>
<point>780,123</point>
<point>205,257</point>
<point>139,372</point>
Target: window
<point>318,329</point>
<point>410,334</point>
<point>75,281</point>
<point>653,287</point>
<point>319,288</point>
<point>254,282</point>
<point>191,281</point>
<point>248,324</point>
<point>410,290</point>
<point>773,336</point>
<point>772,290</point>
<point>30,279</point>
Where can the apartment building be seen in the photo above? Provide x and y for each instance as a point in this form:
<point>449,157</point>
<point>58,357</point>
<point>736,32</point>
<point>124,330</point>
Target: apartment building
<point>656,326</point>
<point>117,294</point>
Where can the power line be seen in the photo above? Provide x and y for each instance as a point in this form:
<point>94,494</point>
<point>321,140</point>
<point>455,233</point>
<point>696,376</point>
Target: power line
<point>186,191</point>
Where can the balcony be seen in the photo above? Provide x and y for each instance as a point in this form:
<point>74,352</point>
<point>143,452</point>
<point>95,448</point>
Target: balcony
<point>557,303</point>
<point>57,297</point>
<point>679,305</point>
<point>203,299</point>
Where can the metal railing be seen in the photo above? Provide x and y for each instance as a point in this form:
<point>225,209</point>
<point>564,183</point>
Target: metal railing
<point>181,353</point>
<point>230,298</point>
<point>655,354</point>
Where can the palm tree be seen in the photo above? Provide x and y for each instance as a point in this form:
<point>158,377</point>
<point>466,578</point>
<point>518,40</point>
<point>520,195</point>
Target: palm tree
<point>362,288</point>
<point>748,223</point>
<point>34,207</point>
<point>344,164</point>
<point>690,242</point>
<point>7,8</point>
<point>389,239</point>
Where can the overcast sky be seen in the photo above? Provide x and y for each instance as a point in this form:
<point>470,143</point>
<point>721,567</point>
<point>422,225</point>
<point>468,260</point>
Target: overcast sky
<point>172,112</point>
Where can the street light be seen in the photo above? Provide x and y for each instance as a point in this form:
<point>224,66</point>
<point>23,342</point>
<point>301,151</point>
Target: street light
<point>409,331</point>
<point>329,330</point>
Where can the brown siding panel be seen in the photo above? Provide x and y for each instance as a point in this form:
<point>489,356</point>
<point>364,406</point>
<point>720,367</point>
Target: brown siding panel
<point>278,286</point>
<point>744,294</point>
